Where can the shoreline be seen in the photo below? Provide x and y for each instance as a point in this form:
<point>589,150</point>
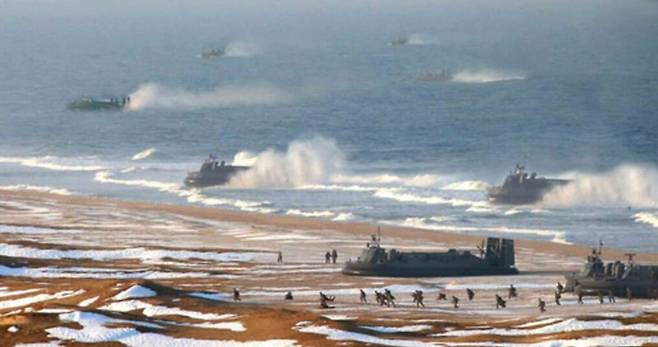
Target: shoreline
<point>306,223</point>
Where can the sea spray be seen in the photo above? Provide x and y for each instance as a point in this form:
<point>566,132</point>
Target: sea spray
<point>242,49</point>
<point>152,95</point>
<point>633,185</point>
<point>305,162</point>
<point>486,76</point>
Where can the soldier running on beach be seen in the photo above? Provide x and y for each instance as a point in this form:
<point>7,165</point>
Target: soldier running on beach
<point>560,288</point>
<point>611,297</point>
<point>629,294</point>
<point>542,305</point>
<point>389,297</point>
<point>236,294</point>
<point>442,296</point>
<point>455,301</point>
<point>511,292</point>
<point>418,298</point>
<point>600,294</point>
<point>327,257</point>
<point>288,296</point>
<point>334,256</point>
<point>363,298</point>
<point>470,294</point>
<point>325,299</point>
<point>500,302</point>
<point>279,257</point>
<point>580,296</point>
<point>558,296</point>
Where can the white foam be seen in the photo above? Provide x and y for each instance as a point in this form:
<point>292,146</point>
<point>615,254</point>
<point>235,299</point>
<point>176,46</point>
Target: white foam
<point>242,49</point>
<point>422,40</point>
<point>49,163</point>
<point>404,196</point>
<point>136,291</point>
<point>424,180</point>
<point>310,161</point>
<point>152,95</point>
<point>634,185</point>
<point>647,218</point>
<point>486,76</point>
<point>144,154</point>
<point>467,186</point>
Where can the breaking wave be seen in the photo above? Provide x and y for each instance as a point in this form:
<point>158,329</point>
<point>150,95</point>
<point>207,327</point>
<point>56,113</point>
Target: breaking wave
<point>191,195</point>
<point>486,76</point>
<point>242,49</point>
<point>646,218</point>
<point>153,95</point>
<point>340,216</point>
<point>629,184</point>
<point>467,186</point>
<point>305,162</point>
<point>50,163</point>
<point>404,196</point>
<point>144,154</point>
<point>425,180</point>
<point>429,223</point>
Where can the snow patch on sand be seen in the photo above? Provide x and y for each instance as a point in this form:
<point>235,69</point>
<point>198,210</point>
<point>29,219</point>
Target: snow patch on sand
<point>135,291</point>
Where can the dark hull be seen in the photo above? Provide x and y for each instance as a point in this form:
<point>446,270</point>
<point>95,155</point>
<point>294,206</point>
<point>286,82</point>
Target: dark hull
<point>524,194</point>
<point>95,106</point>
<point>421,270</point>
<point>215,177</point>
<point>639,288</point>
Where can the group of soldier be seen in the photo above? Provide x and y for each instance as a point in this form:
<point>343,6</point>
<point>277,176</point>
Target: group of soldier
<point>331,256</point>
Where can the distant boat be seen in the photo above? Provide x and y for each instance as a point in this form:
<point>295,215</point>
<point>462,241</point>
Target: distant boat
<point>519,188</point>
<point>400,41</point>
<point>443,76</point>
<point>213,53</point>
<point>87,103</point>
<point>212,173</point>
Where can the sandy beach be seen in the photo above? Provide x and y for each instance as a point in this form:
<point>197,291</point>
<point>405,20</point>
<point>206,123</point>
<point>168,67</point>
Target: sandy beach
<point>79,269</point>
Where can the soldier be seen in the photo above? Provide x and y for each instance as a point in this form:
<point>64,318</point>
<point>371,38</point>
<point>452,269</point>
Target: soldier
<point>629,294</point>
<point>611,297</point>
<point>600,294</point>
<point>288,296</point>
<point>558,296</point>
<point>379,298</point>
<point>560,288</point>
<point>442,296</point>
<point>418,298</point>
<point>470,294</point>
<point>363,297</point>
<point>279,257</point>
<point>334,255</point>
<point>580,296</point>
<point>325,299</point>
<point>327,257</point>
<point>500,302</point>
<point>455,301</point>
<point>236,294</point>
<point>542,305</point>
<point>511,292</point>
<point>389,297</point>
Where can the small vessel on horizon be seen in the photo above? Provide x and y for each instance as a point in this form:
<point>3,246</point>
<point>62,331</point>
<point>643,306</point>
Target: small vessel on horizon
<point>496,258</point>
<point>442,76</point>
<point>212,173</point>
<point>213,53</point>
<point>400,41</point>
<point>87,103</point>
<point>519,188</point>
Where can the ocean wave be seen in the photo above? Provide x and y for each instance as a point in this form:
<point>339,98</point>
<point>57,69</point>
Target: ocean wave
<point>427,223</point>
<point>341,216</point>
<point>424,180</point>
<point>486,76</point>
<point>403,196</point>
<point>50,163</point>
<point>191,195</point>
<point>152,95</point>
<point>421,40</point>
<point>337,187</point>
<point>144,154</point>
<point>646,218</point>
<point>635,185</point>
<point>311,161</point>
<point>45,189</point>
<point>467,186</point>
